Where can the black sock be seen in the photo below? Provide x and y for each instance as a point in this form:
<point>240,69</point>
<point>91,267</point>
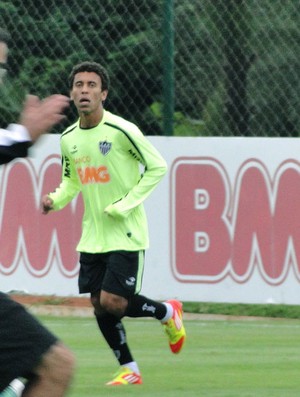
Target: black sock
<point>114,333</point>
<point>140,306</point>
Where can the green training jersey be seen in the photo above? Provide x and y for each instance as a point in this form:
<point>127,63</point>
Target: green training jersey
<point>115,167</point>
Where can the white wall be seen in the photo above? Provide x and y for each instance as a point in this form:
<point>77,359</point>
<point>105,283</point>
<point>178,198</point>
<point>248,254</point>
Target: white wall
<point>224,223</point>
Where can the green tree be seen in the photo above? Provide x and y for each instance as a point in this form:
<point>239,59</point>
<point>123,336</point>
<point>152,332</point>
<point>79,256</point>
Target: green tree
<point>236,62</point>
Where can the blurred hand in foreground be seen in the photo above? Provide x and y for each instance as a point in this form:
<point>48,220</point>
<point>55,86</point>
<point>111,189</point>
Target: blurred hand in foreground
<point>39,116</point>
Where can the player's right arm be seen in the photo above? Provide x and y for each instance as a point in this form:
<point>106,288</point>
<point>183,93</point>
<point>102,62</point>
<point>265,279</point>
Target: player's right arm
<point>66,191</point>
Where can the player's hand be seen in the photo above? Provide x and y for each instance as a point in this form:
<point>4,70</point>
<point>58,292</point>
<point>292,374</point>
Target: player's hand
<point>39,116</point>
<point>47,204</point>
<point>113,212</point>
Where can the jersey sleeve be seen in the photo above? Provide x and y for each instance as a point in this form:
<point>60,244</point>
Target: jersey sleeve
<point>69,186</point>
<point>155,168</point>
<point>14,142</point>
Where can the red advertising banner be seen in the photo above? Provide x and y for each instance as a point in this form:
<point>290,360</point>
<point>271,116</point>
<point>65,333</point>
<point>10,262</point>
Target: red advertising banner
<point>226,230</point>
<point>28,235</point>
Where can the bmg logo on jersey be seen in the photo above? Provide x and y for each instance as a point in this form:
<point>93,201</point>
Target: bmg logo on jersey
<point>230,227</point>
<point>91,174</point>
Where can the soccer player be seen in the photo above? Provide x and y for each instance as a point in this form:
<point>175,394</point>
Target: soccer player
<point>102,154</point>
<point>27,349</point>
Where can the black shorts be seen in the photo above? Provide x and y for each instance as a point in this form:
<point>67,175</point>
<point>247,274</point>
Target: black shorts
<point>23,341</point>
<point>117,272</point>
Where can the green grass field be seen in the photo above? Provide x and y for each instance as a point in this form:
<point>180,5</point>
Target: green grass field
<point>231,358</point>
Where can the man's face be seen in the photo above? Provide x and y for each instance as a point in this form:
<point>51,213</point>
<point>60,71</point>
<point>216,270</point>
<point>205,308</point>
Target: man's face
<point>87,92</point>
<point>3,60</point>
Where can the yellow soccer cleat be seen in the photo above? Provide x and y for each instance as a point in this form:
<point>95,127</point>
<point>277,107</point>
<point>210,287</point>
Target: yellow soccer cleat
<point>125,376</point>
<point>174,327</point>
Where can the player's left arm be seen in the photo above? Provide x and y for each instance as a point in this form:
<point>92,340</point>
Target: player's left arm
<point>155,167</point>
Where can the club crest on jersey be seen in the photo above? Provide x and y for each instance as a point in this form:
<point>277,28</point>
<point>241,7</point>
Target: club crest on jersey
<point>105,147</point>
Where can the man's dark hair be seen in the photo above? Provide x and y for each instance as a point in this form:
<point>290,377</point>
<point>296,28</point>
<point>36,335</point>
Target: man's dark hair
<point>90,67</point>
<point>4,36</point>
